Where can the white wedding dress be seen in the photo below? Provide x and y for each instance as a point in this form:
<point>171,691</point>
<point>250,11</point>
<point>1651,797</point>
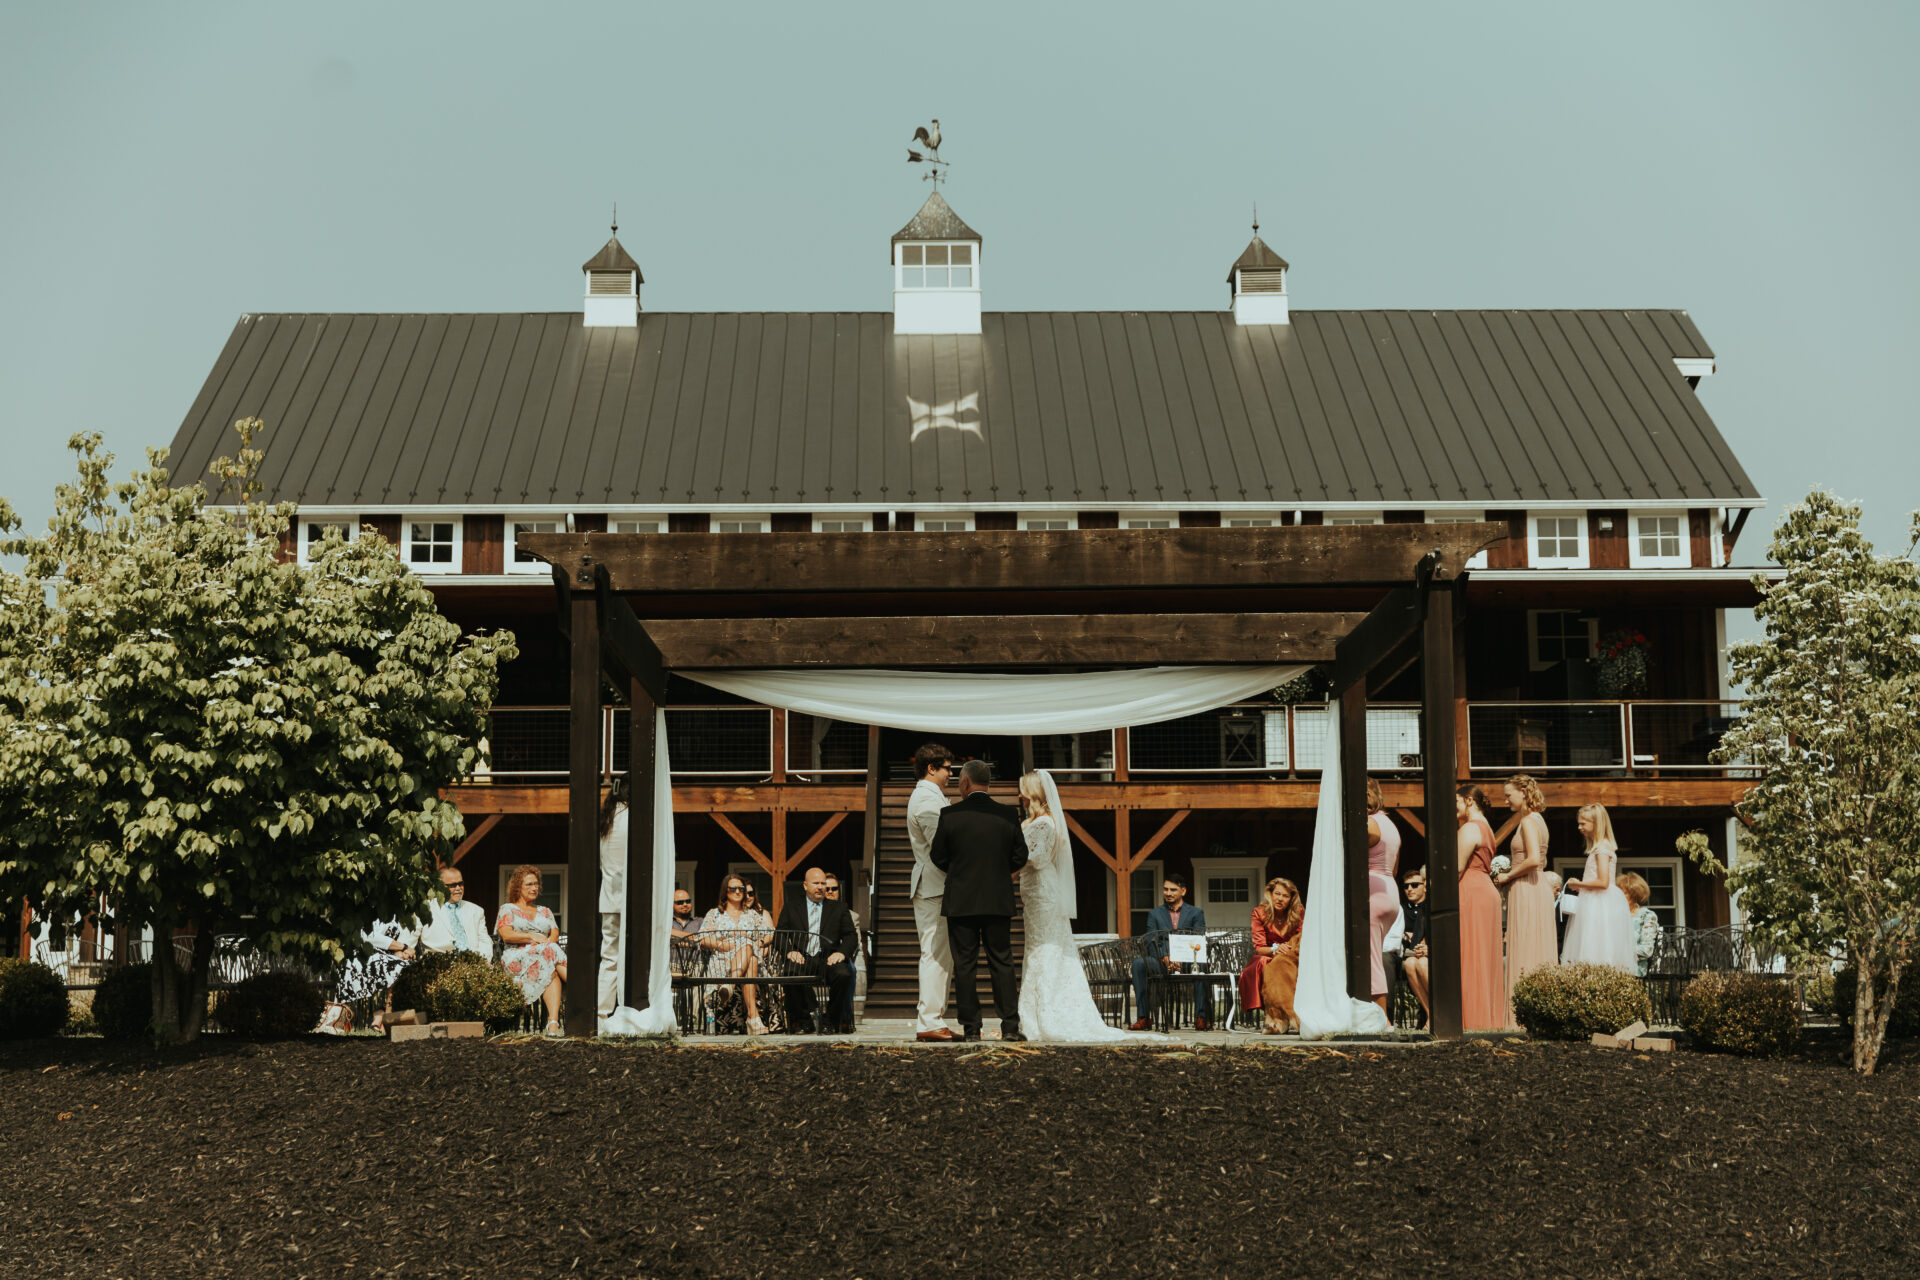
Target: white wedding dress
<point>1056,1005</point>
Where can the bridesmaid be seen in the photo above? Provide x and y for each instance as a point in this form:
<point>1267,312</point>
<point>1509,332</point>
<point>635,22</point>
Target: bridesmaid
<point>1483,988</point>
<point>1532,939</point>
<point>1383,900</point>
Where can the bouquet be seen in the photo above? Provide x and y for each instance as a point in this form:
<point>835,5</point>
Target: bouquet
<point>1501,864</point>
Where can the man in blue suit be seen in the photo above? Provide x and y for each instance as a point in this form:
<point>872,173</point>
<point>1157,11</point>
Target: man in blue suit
<point>1174,917</point>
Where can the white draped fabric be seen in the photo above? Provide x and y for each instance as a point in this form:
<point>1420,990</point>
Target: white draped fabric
<point>1320,999</point>
<point>946,702</point>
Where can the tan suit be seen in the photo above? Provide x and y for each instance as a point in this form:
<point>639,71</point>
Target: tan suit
<point>927,886</point>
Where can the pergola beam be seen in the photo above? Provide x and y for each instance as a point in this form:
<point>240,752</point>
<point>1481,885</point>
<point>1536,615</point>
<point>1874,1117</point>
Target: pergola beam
<point>1015,560</point>
<point>694,644</point>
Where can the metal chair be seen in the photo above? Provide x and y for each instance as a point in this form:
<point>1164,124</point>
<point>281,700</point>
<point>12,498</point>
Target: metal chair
<point>1172,994</point>
<point>1109,970</point>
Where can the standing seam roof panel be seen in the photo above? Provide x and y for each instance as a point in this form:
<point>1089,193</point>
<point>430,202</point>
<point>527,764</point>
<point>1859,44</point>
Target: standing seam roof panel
<point>1382,363</point>
<point>1484,374</point>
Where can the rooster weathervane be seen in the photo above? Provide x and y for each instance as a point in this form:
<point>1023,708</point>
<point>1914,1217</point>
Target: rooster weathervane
<point>925,149</point>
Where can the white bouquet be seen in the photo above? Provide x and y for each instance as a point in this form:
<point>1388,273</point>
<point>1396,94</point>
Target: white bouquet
<point>1501,864</point>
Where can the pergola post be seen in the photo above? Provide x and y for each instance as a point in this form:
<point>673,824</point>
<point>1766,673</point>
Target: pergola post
<point>1353,815</point>
<point>584,721</point>
<point>1437,644</point>
<point>639,919</point>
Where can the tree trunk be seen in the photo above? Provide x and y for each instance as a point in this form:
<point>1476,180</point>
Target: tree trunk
<point>1870,1017</point>
<point>180,997</point>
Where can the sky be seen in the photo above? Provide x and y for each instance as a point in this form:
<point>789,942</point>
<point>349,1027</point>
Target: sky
<point>170,167</point>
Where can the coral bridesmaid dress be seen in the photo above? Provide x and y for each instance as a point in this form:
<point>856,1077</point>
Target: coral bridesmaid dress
<point>1483,984</point>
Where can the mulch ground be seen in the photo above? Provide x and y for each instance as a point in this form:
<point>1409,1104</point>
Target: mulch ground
<point>506,1160</point>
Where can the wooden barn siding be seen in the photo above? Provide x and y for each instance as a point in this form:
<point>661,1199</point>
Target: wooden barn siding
<point>1199,519</point>
<point>1099,519</point>
<point>1607,548</point>
<point>996,520</point>
<point>1700,525</point>
<point>792,521</point>
<point>387,527</point>
<point>485,544</point>
<point>688,522</point>
<point>1511,554</point>
<point>593,522</point>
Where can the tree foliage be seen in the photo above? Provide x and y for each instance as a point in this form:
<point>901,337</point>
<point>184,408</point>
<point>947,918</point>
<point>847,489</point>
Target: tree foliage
<point>217,739</point>
<point>1830,859</point>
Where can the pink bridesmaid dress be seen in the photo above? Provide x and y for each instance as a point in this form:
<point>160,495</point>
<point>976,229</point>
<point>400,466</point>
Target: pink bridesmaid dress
<point>1383,899</point>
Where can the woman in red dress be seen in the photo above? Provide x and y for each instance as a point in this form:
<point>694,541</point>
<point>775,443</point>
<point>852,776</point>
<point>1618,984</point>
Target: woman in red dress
<point>1483,976</point>
<point>1275,967</point>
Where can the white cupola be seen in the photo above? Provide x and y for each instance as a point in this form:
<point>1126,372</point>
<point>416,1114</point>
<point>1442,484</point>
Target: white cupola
<point>613,287</point>
<point>1259,282</point>
<point>936,272</point>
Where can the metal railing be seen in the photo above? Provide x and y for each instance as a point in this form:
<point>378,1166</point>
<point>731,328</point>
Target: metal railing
<point>704,742</point>
<point>1614,737</point>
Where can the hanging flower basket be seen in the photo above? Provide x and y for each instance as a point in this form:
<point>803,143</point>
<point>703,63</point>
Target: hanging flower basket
<point>1620,664</point>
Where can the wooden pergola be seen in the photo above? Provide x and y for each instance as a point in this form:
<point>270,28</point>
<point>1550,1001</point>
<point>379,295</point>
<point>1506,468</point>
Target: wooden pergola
<point>636,606</point>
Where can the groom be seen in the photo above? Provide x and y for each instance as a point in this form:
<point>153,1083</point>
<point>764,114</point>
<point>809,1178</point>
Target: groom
<point>979,846</point>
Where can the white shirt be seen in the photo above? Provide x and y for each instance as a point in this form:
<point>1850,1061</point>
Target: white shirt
<point>813,927</point>
<point>439,935</point>
<point>1396,936</point>
<point>923,819</point>
<point>387,932</point>
<point>613,865</point>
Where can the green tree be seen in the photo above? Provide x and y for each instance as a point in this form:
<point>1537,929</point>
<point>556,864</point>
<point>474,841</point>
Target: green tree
<point>219,740</point>
<point>1830,859</point>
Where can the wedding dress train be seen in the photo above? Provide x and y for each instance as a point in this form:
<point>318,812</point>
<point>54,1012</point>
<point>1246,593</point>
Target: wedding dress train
<point>1056,1004</point>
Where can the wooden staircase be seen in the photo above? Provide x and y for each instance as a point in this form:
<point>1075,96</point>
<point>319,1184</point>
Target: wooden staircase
<point>893,985</point>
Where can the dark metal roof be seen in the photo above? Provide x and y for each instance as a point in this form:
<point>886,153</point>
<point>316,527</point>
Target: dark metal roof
<point>1256,257</point>
<point>1084,408</point>
<point>612,257</point>
<point>936,221</point>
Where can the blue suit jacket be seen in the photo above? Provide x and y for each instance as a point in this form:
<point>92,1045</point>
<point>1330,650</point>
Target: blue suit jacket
<point>1160,920</point>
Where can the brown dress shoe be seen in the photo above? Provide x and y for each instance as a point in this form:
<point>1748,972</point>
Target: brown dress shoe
<point>939,1034</point>
<point>1200,1024</point>
<point>1141,1024</point>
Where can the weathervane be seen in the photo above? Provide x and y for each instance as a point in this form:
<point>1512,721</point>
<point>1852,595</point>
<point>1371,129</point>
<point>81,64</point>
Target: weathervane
<point>925,149</point>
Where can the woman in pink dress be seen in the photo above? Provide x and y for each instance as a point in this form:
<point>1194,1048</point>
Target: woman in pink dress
<point>1383,900</point>
<point>1532,940</point>
<point>1483,986</point>
<point>532,955</point>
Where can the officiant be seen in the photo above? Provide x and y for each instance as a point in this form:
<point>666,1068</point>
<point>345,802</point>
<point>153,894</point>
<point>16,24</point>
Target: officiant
<point>1173,916</point>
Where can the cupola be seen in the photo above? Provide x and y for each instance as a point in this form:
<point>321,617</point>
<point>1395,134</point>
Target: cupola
<point>613,286</point>
<point>936,272</point>
<point>1259,283</point>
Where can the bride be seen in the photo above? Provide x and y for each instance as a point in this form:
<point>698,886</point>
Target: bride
<point>1055,1001</point>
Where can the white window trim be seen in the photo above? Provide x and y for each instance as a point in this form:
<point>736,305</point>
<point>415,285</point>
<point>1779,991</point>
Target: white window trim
<point>614,523</point>
<point>459,544</point>
<point>1266,519</point>
<point>1533,636</point>
<point>1575,867</point>
<point>683,875</point>
<point>865,522</point>
<point>1127,518</point>
<point>900,266</point>
<point>1256,872</point>
<point>1479,560</point>
<point>920,519</point>
<point>734,517</point>
<point>1637,560</point>
<point>1353,517</point>
<point>1534,561</point>
<point>541,567</point>
<point>305,551</point>
<point>1159,870</point>
<point>550,873</point>
<point>1071,517</point>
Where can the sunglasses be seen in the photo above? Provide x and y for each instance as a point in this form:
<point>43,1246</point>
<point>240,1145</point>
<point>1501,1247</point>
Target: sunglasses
<point>683,902</point>
<point>736,888</point>
<point>455,884</point>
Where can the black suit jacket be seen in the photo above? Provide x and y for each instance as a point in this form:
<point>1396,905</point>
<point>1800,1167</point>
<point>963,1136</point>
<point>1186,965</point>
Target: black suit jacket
<point>979,845</point>
<point>836,927</point>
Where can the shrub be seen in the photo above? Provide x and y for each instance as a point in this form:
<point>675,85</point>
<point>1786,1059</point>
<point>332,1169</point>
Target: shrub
<point>1746,1013</point>
<point>276,1005</point>
<point>1905,1023</point>
<point>1573,1001</point>
<point>80,1018</point>
<point>123,1002</point>
<point>410,988</point>
<point>33,1001</point>
<point>474,991</point>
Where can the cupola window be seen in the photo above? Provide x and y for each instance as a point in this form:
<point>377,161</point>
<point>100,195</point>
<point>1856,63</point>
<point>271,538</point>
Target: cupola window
<point>936,266</point>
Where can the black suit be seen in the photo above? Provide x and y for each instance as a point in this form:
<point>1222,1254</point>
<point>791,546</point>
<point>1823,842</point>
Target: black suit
<point>837,933</point>
<point>979,845</point>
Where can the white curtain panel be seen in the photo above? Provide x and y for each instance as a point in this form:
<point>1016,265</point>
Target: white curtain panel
<point>1321,1001</point>
<point>971,702</point>
<point>656,1018</point>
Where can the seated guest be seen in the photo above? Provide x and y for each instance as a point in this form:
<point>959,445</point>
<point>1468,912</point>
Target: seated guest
<point>456,924</point>
<point>860,954</point>
<point>1413,938</point>
<point>1643,925</point>
<point>733,932</point>
<point>685,929</point>
<point>532,938</point>
<point>1173,916</point>
<point>819,938</point>
<point>1268,981</point>
<point>392,945</point>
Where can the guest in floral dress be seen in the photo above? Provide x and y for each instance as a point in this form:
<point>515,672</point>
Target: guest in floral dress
<point>532,954</point>
<point>735,939</point>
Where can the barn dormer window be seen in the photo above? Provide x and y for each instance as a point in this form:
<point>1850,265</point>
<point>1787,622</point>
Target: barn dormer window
<point>936,266</point>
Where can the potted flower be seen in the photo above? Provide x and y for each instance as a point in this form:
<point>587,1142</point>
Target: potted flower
<point>1620,664</point>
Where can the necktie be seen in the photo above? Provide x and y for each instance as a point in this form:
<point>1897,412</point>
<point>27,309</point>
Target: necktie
<point>459,929</point>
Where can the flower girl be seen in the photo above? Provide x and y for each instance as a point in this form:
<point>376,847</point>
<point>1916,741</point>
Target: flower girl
<point>1599,932</point>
